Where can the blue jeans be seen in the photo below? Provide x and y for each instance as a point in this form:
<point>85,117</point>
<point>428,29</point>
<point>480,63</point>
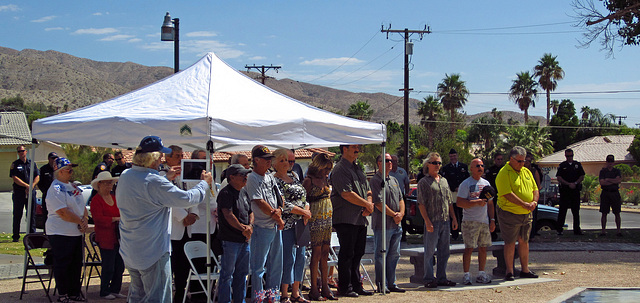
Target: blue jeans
<point>266,250</point>
<point>293,258</point>
<point>393,237</point>
<point>440,239</point>
<point>233,272</point>
<point>152,284</point>
<point>112,269</point>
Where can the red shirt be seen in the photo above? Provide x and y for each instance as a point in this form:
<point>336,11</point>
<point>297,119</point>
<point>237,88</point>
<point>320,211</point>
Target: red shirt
<point>102,215</point>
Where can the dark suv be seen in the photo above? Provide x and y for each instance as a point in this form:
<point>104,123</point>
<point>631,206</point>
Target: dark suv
<point>550,195</point>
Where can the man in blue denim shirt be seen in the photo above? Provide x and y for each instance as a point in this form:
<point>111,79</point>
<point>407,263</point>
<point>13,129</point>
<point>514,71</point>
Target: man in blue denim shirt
<point>144,199</point>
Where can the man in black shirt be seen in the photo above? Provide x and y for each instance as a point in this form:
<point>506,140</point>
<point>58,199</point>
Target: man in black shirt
<point>610,178</point>
<point>105,165</point>
<point>46,178</point>
<point>570,175</point>
<point>491,172</point>
<point>455,172</point>
<point>235,220</point>
<point>121,164</point>
<point>20,172</point>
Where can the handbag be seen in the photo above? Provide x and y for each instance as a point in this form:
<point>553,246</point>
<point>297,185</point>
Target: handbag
<point>303,234</point>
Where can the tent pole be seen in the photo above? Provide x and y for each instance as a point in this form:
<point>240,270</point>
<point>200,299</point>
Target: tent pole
<point>383,211</point>
<point>207,200</point>
<point>30,195</point>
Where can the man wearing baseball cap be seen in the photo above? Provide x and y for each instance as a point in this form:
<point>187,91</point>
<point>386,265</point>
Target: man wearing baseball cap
<point>266,241</point>
<point>145,198</point>
<point>46,178</point>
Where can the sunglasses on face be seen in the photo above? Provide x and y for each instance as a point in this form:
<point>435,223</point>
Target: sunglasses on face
<point>479,165</point>
<point>118,159</point>
<point>436,163</point>
<point>519,161</point>
<point>22,151</point>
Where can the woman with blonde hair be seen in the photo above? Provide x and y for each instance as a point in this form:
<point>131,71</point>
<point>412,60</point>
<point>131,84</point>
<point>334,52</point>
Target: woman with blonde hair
<point>295,208</point>
<point>317,185</point>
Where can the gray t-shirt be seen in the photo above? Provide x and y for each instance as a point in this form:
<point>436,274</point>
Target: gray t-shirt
<point>470,189</point>
<point>403,178</point>
<point>262,187</point>
<point>393,194</point>
<point>347,176</point>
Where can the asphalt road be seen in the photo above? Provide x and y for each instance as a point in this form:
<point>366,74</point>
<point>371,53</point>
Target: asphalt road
<point>590,219</point>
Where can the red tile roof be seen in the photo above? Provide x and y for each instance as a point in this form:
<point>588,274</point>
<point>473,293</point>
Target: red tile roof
<point>225,156</point>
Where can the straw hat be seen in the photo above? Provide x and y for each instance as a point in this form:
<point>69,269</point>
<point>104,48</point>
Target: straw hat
<point>102,176</point>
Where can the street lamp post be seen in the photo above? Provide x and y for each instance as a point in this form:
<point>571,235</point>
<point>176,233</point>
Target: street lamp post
<point>171,32</point>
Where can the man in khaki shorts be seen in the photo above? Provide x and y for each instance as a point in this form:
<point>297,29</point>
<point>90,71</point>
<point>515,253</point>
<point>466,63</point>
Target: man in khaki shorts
<point>517,198</point>
<point>477,221</point>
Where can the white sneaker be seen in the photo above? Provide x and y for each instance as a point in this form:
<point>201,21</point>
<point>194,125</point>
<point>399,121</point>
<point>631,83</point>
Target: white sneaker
<point>483,278</point>
<point>467,279</point>
<point>109,297</point>
<point>119,295</point>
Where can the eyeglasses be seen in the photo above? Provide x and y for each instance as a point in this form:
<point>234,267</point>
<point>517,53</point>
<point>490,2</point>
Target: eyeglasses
<point>22,151</point>
<point>70,170</point>
<point>118,159</point>
<point>568,156</point>
<point>519,161</point>
<point>479,165</point>
<point>435,163</point>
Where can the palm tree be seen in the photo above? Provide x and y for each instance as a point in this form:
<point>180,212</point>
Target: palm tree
<point>429,111</point>
<point>548,72</point>
<point>555,104</point>
<point>523,92</point>
<point>360,110</point>
<point>453,95</point>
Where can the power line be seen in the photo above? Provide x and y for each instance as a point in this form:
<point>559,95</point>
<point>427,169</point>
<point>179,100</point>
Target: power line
<point>552,93</point>
<point>506,27</point>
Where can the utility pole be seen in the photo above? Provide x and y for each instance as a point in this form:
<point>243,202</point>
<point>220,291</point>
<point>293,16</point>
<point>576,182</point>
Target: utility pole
<point>263,69</point>
<point>408,50</point>
<point>619,119</point>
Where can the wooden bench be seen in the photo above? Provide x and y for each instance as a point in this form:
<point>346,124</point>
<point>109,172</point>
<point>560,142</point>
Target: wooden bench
<point>416,257</point>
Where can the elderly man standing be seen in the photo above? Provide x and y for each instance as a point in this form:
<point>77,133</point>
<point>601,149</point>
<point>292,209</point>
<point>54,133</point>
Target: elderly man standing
<point>266,240</point>
<point>20,172</point>
<point>145,198</point>
<point>570,175</point>
<point>455,172</point>
<point>610,179</point>
<point>517,198</point>
<point>436,206</point>
<point>393,213</point>
<point>478,221</point>
<point>400,174</point>
<point>352,203</point>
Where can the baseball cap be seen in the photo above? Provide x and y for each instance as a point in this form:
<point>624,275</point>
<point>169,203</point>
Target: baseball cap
<point>237,169</point>
<point>62,162</point>
<point>52,155</point>
<point>261,151</point>
<point>151,144</point>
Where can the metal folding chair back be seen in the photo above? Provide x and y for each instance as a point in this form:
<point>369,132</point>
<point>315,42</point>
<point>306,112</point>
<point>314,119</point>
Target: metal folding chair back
<point>333,259</point>
<point>37,241</point>
<point>194,250</point>
<point>92,259</point>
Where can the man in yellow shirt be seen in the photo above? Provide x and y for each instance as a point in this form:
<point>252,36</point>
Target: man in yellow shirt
<point>517,198</point>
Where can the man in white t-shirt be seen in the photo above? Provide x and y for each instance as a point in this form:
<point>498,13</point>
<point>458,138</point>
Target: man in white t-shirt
<point>477,221</point>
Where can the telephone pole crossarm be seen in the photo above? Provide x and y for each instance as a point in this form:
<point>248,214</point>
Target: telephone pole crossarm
<point>263,70</point>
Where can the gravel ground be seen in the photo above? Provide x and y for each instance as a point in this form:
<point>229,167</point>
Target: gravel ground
<point>571,269</point>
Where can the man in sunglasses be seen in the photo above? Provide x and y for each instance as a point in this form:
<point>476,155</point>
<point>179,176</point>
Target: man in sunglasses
<point>455,172</point>
<point>570,175</point>
<point>121,164</point>
<point>20,172</point>
<point>477,222</point>
<point>517,197</point>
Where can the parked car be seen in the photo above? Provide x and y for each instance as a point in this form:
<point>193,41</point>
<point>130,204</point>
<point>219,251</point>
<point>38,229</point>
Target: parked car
<point>40,218</point>
<point>550,195</point>
<point>414,224</point>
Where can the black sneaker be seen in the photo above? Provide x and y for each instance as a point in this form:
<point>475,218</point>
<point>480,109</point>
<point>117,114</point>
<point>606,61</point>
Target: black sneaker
<point>395,288</point>
<point>529,274</point>
<point>509,276</point>
<point>350,294</point>
<point>362,292</point>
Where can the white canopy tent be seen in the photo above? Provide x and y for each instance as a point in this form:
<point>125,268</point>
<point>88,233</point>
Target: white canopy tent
<point>207,102</point>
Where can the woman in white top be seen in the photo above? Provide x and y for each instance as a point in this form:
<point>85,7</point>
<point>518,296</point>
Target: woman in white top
<point>66,222</point>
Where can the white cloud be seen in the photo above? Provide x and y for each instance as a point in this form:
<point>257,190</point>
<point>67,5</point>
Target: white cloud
<point>96,31</point>
<point>223,50</point>
<point>53,29</point>
<point>135,40</point>
<point>44,19</point>
<point>9,8</point>
<point>257,58</point>
<point>117,38</point>
<point>201,34</point>
<point>332,61</point>
<point>154,46</point>
<point>97,14</point>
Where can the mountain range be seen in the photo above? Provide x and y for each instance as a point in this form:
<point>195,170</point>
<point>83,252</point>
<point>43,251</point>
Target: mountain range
<point>65,81</point>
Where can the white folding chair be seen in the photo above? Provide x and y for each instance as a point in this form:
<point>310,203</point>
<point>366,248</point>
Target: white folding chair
<point>194,250</point>
<point>333,259</point>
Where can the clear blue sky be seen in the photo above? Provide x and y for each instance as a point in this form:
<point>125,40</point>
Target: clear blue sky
<point>339,43</point>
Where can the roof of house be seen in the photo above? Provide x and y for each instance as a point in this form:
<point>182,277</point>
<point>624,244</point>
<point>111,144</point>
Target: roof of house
<point>595,149</point>
<point>14,129</point>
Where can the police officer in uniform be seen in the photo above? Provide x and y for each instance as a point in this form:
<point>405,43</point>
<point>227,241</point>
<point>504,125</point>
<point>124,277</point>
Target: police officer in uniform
<point>20,172</point>
<point>570,175</point>
<point>121,164</point>
<point>491,173</point>
<point>105,165</point>
<point>46,178</point>
<point>455,172</point>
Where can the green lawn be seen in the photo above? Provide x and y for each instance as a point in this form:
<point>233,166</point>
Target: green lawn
<point>7,246</point>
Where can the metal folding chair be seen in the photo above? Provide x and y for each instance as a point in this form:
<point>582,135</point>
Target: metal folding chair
<point>194,250</point>
<point>333,259</point>
<point>92,259</point>
<point>37,241</point>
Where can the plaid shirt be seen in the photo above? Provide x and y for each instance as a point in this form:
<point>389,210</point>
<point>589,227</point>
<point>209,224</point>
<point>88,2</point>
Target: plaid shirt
<point>436,197</point>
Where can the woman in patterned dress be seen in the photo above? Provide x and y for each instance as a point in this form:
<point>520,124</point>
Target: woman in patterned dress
<point>295,208</point>
<point>317,185</point>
